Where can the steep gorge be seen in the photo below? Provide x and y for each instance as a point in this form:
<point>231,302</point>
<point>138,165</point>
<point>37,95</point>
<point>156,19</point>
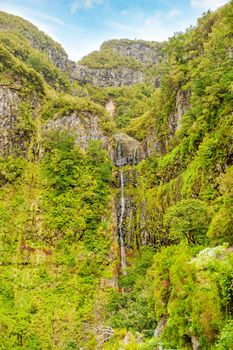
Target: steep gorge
<point>116,191</point>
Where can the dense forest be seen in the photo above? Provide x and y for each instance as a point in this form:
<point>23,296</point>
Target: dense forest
<point>116,181</point>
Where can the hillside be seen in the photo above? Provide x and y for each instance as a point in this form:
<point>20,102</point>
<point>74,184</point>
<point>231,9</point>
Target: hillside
<point>121,63</point>
<point>116,191</point>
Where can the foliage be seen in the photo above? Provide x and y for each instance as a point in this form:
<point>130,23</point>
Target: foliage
<point>15,73</point>
<point>131,307</point>
<point>19,46</point>
<point>11,169</point>
<point>59,236</point>
<point>60,284</point>
<point>29,31</point>
<point>226,339</point>
<point>114,42</point>
<point>183,287</point>
<point>108,58</point>
<point>188,219</point>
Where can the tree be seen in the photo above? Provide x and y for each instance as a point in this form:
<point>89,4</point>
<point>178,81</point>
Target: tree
<point>188,219</point>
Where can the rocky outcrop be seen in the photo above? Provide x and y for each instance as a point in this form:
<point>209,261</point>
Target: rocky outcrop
<point>146,52</point>
<point>152,144</point>
<point>160,327</point>
<point>8,105</point>
<point>120,76</point>
<point>83,128</point>
<point>125,150</point>
<point>182,105</point>
<point>9,101</point>
<point>17,114</point>
<point>195,343</point>
<point>15,132</point>
<point>111,108</point>
<point>54,51</point>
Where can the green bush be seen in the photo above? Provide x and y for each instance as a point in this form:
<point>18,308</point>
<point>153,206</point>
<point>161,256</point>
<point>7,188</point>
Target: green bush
<point>188,219</point>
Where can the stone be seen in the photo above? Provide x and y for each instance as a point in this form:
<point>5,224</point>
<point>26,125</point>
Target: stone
<point>83,128</point>
<point>110,108</point>
<point>182,105</point>
<point>160,327</point>
<point>142,52</point>
<point>126,150</point>
<point>120,76</point>
<point>195,343</point>
<point>9,101</point>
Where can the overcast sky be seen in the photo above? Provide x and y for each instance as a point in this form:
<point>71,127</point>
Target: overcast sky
<point>82,25</point>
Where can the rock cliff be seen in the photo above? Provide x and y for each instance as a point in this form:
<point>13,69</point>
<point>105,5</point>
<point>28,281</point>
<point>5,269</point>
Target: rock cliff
<point>181,106</point>
<point>84,129</point>
<point>17,115</point>
<point>9,101</point>
<point>120,76</point>
<point>133,58</point>
<point>126,150</point>
<point>148,53</point>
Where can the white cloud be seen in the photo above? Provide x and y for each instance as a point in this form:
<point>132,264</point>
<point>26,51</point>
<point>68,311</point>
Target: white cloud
<point>207,4</point>
<point>157,27</point>
<point>153,28</point>
<point>173,13</point>
<point>80,49</point>
<point>29,13</point>
<point>44,17</point>
<point>83,4</point>
<point>149,28</point>
<point>120,26</point>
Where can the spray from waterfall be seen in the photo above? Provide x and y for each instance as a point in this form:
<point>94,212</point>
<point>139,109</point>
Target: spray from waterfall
<point>122,211</point>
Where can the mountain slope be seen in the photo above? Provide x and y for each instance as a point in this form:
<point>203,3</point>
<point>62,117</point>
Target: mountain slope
<point>120,63</point>
<point>37,39</point>
<point>97,173</point>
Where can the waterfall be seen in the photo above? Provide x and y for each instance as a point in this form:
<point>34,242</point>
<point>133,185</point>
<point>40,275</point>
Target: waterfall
<point>126,155</point>
<point>120,163</point>
<point>120,226</point>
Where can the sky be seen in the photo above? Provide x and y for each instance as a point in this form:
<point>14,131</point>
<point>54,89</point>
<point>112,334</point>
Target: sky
<point>80,26</point>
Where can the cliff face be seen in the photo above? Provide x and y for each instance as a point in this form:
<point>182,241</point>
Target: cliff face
<point>121,76</point>
<point>119,63</point>
<point>181,106</point>
<point>9,101</point>
<point>124,74</point>
<point>17,121</point>
<point>84,129</point>
<point>148,53</point>
<point>125,150</point>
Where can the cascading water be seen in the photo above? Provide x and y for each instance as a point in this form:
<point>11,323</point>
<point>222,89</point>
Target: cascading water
<point>120,226</point>
<point>126,155</point>
<point>119,163</point>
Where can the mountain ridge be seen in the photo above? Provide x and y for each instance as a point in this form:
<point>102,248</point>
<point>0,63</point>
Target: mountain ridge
<point>116,198</point>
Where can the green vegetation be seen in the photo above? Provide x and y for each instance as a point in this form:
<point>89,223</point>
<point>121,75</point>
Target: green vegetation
<point>61,286</point>
<point>20,47</point>
<point>108,58</point>
<point>16,24</point>
<point>50,258</point>
<point>15,74</point>
<point>189,220</point>
<point>115,42</point>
